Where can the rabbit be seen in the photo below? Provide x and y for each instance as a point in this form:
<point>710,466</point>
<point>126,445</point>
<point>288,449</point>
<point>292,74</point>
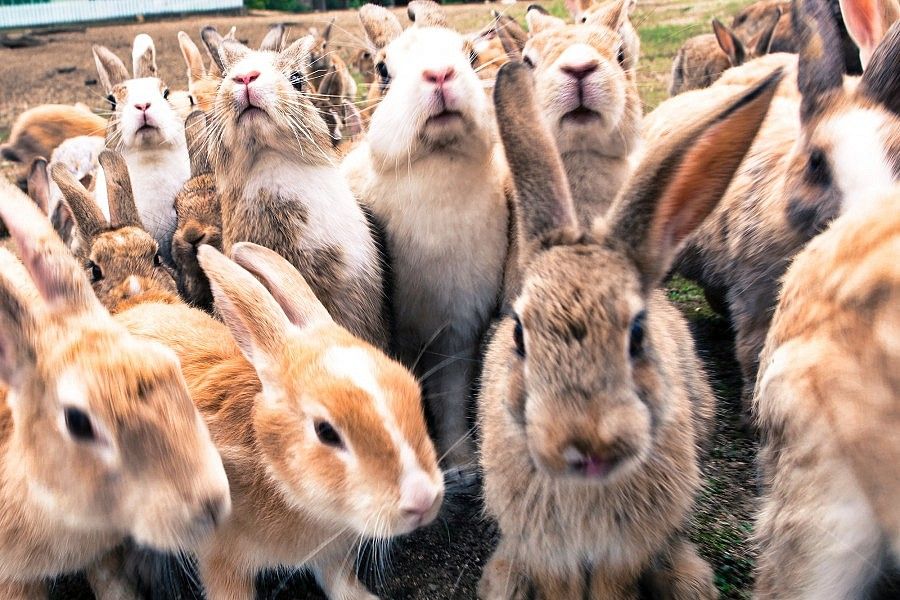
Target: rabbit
<point>39,130</point>
<point>589,100</point>
<point>593,403</point>
<point>99,439</point>
<point>150,135</point>
<point>801,174</point>
<point>364,65</point>
<point>202,84</point>
<point>323,60</point>
<point>599,11</point>
<point>428,171</point>
<point>81,157</point>
<point>199,218</point>
<point>826,405</point>
<point>496,44</point>
<point>323,436</point>
<point>212,41</point>
<point>121,259</point>
<point>338,111</point>
<point>702,59</point>
<point>866,27</point>
<point>279,185</point>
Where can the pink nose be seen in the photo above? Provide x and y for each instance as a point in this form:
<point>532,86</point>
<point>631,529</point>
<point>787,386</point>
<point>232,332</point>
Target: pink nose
<point>438,77</point>
<point>142,107</point>
<point>418,498</point>
<point>247,78</point>
<point>580,70</point>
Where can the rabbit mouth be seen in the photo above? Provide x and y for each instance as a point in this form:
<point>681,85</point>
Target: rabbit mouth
<point>250,112</point>
<point>581,115</point>
<point>445,117</point>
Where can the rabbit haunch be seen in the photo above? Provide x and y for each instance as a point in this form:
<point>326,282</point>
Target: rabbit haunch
<point>279,187</point>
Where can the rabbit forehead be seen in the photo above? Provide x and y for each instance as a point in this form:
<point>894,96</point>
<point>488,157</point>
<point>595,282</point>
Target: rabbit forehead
<point>145,87</point>
<point>425,45</point>
<point>550,44</point>
<point>123,242</point>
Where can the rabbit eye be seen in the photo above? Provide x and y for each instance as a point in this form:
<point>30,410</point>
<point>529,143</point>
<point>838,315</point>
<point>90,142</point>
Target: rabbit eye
<point>528,62</point>
<point>79,424</point>
<point>583,19</point>
<point>96,272</point>
<point>327,434</point>
<point>636,342</point>
<point>112,101</point>
<point>296,79</point>
<point>383,72</point>
<point>191,100</point>
<point>519,337</point>
<point>166,93</point>
<point>817,169</point>
<point>620,55</point>
<point>157,260</point>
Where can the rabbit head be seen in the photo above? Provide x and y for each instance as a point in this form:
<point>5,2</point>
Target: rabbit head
<point>142,117</point>
<point>363,62</point>
<point>107,437</point>
<point>202,85</point>
<point>433,98</point>
<point>120,258</point>
<point>340,424</point>
<point>320,62</point>
<point>586,96</point>
<point>585,379</point>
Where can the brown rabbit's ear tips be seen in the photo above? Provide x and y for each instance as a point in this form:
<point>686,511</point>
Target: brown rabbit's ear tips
<point>39,184</point>
<point>536,8</point>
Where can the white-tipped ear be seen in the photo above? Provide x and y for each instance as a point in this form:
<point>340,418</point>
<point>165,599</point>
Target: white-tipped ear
<point>143,57</point>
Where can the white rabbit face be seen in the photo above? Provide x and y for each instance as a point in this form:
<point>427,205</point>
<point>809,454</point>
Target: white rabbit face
<point>434,98</point>
<point>145,116</point>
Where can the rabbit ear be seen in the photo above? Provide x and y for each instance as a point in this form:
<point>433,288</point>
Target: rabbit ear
<point>87,215</point>
<point>284,282</point>
<point>543,202</point>
<point>54,271</point>
<point>110,68</point>
<point>881,79</point>
<point>192,57</point>
<point>677,185</point>
<point>867,21</point>
<point>18,329</point>
<point>611,15</point>
<point>380,24</point>
<point>576,7</point>
<point>257,322</point>
<point>763,41</point>
<point>352,118</point>
<point>39,184</point>
<point>326,34</point>
<point>212,40</point>
<point>143,57</point>
<point>298,54</point>
<point>232,52</point>
<point>730,44</point>
<point>510,44</point>
<point>274,38</point>
<point>539,20</point>
<point>821,63</point>
<point>123,211</point>
<point>195,132</point>
<point>426,13</point>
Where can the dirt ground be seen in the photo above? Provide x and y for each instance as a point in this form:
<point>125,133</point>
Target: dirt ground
<point>445,560</point>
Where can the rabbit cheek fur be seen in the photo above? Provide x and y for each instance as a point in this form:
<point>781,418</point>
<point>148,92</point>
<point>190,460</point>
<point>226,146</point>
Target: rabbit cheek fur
<point>595,118</point>
<point>278,188</point>
<point>428,172</point>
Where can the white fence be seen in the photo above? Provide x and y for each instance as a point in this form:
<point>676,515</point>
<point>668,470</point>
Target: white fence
<point>79,11</point>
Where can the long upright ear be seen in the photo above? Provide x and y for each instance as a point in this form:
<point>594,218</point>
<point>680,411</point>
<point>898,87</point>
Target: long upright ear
<point>274,38</point>
<point>881,79</point>
<point>326,33</point>
<point>284,282</point>
<point>39,184</point>
<point>543,201</point>
<point>18,327</point>
<point>110,68</point>
<point>678,184</point>
<point>867,21</point>
<point>821,64</point>
<point>87,215</point>
<point>143,57</point>
<point>510,44</point>
<point>539,20</point>
<point>380,24</point>
<point>257,323</point>
<point>426,13</point>
<point>212,40</point>
<point>192,57</point>
<point>612,14</point>
<point>198,150</point>
<point>123,210</point>
<point>763,40</point>
<point>55,272</point>
<point>729,42</point>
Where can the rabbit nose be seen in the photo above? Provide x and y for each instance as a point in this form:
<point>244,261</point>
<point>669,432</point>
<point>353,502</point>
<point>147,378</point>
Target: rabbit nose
<point>587,463</point>
<point>418,497</point>
<point>247,78</point>
<point>142,107</point>
<point>580,70</point>
<point>439,76</point>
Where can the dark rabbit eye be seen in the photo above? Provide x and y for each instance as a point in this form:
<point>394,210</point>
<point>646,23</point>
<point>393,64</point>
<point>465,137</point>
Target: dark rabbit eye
<point>296,79</point>
<point>96,272</point>
<point>191,100</point>
<point>383,72</point>
<point>519,337</point>
<point>157,260</point>
<point>112,101</point>
<point>817,169</point>
<point>584,19</point>
<point>620,55</point>
<point>79,424</point>
<point>528,62</point>
<point>166,93</point>
<point>636,342</point>
<point>327,434</point>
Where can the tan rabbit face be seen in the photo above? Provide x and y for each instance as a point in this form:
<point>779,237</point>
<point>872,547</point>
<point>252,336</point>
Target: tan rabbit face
<point>124,263</point>
<point>582,390</point>
<point>581,85</point>
<point>346,425</point>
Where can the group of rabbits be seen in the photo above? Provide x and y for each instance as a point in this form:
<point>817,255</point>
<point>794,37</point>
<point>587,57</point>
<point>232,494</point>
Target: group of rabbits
<point>261,333</point>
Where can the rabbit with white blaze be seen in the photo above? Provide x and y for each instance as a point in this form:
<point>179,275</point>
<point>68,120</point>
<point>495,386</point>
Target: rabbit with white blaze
<point>427,170</point>
<point>593,402</point>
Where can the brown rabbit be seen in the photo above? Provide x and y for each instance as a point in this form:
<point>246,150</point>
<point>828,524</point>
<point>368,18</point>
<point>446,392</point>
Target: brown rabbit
<point>199,218</point>
<point>702,59</point>
<point>323,60</point>
<point>589,99</point>
<point>202,84</point>
<point>121,259</point>
<point>99,439</point>
<point>799,176</point>
<point>338,111</point>
<point>593,402</point>
<point>750,21</point>
<point>322,435</point>
<point>826,404</point>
